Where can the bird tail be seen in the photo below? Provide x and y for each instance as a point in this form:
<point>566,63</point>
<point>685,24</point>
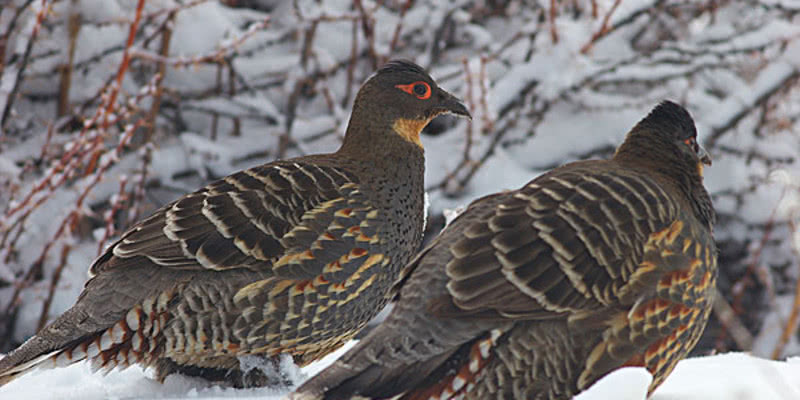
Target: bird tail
<point>36,352</point>
<point>369,371</point>
<point>21,361</point>
<point>72,337</point>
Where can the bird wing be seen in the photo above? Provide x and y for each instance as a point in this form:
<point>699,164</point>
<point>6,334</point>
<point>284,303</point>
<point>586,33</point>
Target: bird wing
<point>573,240</point>
<point>267,217</point>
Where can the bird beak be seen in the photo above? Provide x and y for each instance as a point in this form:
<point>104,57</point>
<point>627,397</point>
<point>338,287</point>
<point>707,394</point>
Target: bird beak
<point>451,104</point>
<point>704,157</point>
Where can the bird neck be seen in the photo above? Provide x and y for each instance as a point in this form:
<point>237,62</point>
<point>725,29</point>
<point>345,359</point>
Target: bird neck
<point>376,138</point>
<point>376,148</point>
<point>393,168</point>
<point>645,153</point>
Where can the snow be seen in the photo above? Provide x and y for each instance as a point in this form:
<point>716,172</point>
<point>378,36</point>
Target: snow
<point>629,383</point>
<point>79,383</point>
<point>732,376</point>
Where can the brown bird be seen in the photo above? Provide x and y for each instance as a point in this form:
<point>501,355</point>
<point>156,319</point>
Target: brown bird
<point>291,257</point>
<point>539,292</point>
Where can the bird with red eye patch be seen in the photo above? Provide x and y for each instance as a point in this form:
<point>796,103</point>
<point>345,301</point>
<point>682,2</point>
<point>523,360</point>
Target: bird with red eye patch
<point>292,257</point>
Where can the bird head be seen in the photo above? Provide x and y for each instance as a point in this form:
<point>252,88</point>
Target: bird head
<point>667,135</point>
<point>402,97</point>
<point>665,142</point>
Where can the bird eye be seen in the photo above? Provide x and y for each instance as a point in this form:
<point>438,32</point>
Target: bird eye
<point>692,143</point>
<point>420,89</point>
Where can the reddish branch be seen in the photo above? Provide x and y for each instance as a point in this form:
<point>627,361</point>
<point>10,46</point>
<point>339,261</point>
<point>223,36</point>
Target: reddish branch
<point>166,37</point>
<point>118,202</point>
<point>483,83</point>
<point>73,28</point>
<point>86,150</point>
<point>605,27</point>
<point>123,65</point>
<point>77,153</point>
<point>215,57</point>
<point>352,64</point>
<point>40,15</point>
<point>368,27</point>
<point>466,159</point>
<point>140,182</point>
<point>552,14</point>
<point>398,28</point>
<point>790,328</point>
<point>72,218</point>
<point>51,291</point>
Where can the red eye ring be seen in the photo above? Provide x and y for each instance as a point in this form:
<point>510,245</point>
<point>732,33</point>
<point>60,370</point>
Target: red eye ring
<point>691,142</point>
<point>411,89</point>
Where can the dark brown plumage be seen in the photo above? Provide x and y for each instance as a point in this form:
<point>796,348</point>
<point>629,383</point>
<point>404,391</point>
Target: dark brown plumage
<point>539,292</point>
<point>291,257</point>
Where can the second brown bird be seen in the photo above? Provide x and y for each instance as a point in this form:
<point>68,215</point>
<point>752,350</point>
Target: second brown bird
<point>539,292</point>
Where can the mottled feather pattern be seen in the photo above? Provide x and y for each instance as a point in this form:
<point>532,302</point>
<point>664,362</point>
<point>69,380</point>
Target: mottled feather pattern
<point>342,238</point>
<point>338,232</point>
<point>235,222</point>
<point>555,246</point>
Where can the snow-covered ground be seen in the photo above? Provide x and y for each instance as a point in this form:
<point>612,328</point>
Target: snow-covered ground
<point>79,383</point>
<point>732,376</point>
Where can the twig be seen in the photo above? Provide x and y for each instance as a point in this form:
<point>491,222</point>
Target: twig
<point>84,146</point>
<point>745,281</point>
<point>217,91</point>
<point>166,37</point>
<point>604,27</point>
<point>291,110</point>
<point>367,25</point>
<point>551,18</point>
<point>123,65</point>
<point>465,155</point>
<point>791,324</point>
<point>483,83</point>
<point>237,121</point>
<point>51,292</point>
<point>729,319</point>
<point>73,28</point>
<point>465,158</point>
<point>398,28</point>
<point>117,203</point>
<point>140,182</point>
<point>352,64</point>
<point>73,157</point>
<point>719,130</point>
<point>214,57</point>
<point>7,101</point>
